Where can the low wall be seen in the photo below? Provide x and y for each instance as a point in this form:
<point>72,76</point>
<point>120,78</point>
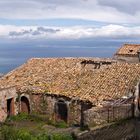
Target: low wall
<point>102,115</point>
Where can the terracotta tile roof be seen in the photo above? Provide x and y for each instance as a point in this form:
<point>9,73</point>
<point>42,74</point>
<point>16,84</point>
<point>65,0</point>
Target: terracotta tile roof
<point>129,49</point>
<point>68,78</point>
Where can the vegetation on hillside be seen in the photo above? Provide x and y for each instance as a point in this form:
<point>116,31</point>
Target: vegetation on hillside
<point>27,127</point>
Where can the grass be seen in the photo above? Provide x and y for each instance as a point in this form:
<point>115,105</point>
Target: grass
<point>10,133</point>
<point>61,124</point>
<point>23,117</point>
<point>28,127</point>
<point>19,117</point>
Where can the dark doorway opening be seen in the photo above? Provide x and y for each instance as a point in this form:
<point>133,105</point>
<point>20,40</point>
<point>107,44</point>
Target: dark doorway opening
<point>10,107</point>
<point>25,106</point>
<point>62,110</point>
<point>139,103</point>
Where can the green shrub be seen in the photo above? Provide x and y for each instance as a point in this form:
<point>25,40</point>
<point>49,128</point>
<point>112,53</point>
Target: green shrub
<point>61,124</point>
<point>25,116</point>
<point>24,135</point>
<point>19,117</point>
<point>43,137</point>
<point>10,133</point>
<point>61,137</point>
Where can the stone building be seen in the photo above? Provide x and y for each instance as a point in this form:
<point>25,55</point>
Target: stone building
<point>79,91</point>
<point>11,103</point>
<point>128,53</point>
<point>8,103</point>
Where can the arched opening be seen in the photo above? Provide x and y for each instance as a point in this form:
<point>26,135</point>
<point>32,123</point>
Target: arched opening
<point>25,106</point>
<point>61,110</point>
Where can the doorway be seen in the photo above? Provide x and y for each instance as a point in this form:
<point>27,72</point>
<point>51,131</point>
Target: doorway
<point>62,110</point>
<point>25,106</point>
<point>10,107</point>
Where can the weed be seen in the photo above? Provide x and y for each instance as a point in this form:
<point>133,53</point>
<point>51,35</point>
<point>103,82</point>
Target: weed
<point>19,117</point>
<point>10,133</point>
<point>61,124</point>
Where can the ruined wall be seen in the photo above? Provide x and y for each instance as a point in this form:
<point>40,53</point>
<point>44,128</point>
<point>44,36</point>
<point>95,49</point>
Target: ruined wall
<point>99,115</point>
<point>45,105</point>
<point>95,65</point>
<point>35,103</point>
<point>137,99</point>
<point>6,94</point>
<point>74,113</point>
<point>127,58</point>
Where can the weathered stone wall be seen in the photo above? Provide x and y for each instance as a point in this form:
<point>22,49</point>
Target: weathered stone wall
<point>137,96</point>
<point>127,58</point>
<point>6,94</point>
<point>74,113</point>
<point>35,103</point>
<point>45,104</point>
<point>100,115</point>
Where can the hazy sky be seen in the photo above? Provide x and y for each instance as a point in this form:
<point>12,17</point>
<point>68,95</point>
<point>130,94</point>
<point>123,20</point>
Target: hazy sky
<point>69,19</point>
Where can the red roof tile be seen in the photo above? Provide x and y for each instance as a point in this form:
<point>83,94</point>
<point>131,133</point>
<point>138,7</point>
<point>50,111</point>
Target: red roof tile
<point>67,77</point>
<point>129,49</point>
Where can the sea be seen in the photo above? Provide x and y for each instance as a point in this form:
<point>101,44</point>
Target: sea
<point>14,54</point>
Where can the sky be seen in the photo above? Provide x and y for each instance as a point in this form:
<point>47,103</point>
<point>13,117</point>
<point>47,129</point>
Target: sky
<point>69,19</point>
<point>66,25</point>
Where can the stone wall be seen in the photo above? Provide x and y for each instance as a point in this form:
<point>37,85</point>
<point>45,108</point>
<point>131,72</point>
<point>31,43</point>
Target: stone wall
<point>100,115</point>
<point>127,58</point>
<point>5,94</point>
<point>74,113</point>
<point>35,103</point>
<point>45,105</point>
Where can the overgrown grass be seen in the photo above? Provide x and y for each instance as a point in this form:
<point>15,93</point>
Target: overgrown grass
<point>61,137</point>
<point>23,117</point>
<point>19,117</point>
<point>30,127</point>
<point>36,118</point>
<point>61,124</point>
<point>10,133</point>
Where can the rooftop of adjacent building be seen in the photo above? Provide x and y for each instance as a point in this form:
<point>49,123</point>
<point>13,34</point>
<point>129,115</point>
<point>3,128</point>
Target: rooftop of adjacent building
<point>129,49</point>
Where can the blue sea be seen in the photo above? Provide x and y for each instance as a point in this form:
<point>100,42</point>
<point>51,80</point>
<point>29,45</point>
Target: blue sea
<point>14,53</point>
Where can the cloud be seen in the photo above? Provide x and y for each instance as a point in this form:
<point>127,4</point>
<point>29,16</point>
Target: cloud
<point>112,31</point>
<point>113,11</point>
<point>127,6</point>
<point>48,30</point>
<point>33,32</point>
